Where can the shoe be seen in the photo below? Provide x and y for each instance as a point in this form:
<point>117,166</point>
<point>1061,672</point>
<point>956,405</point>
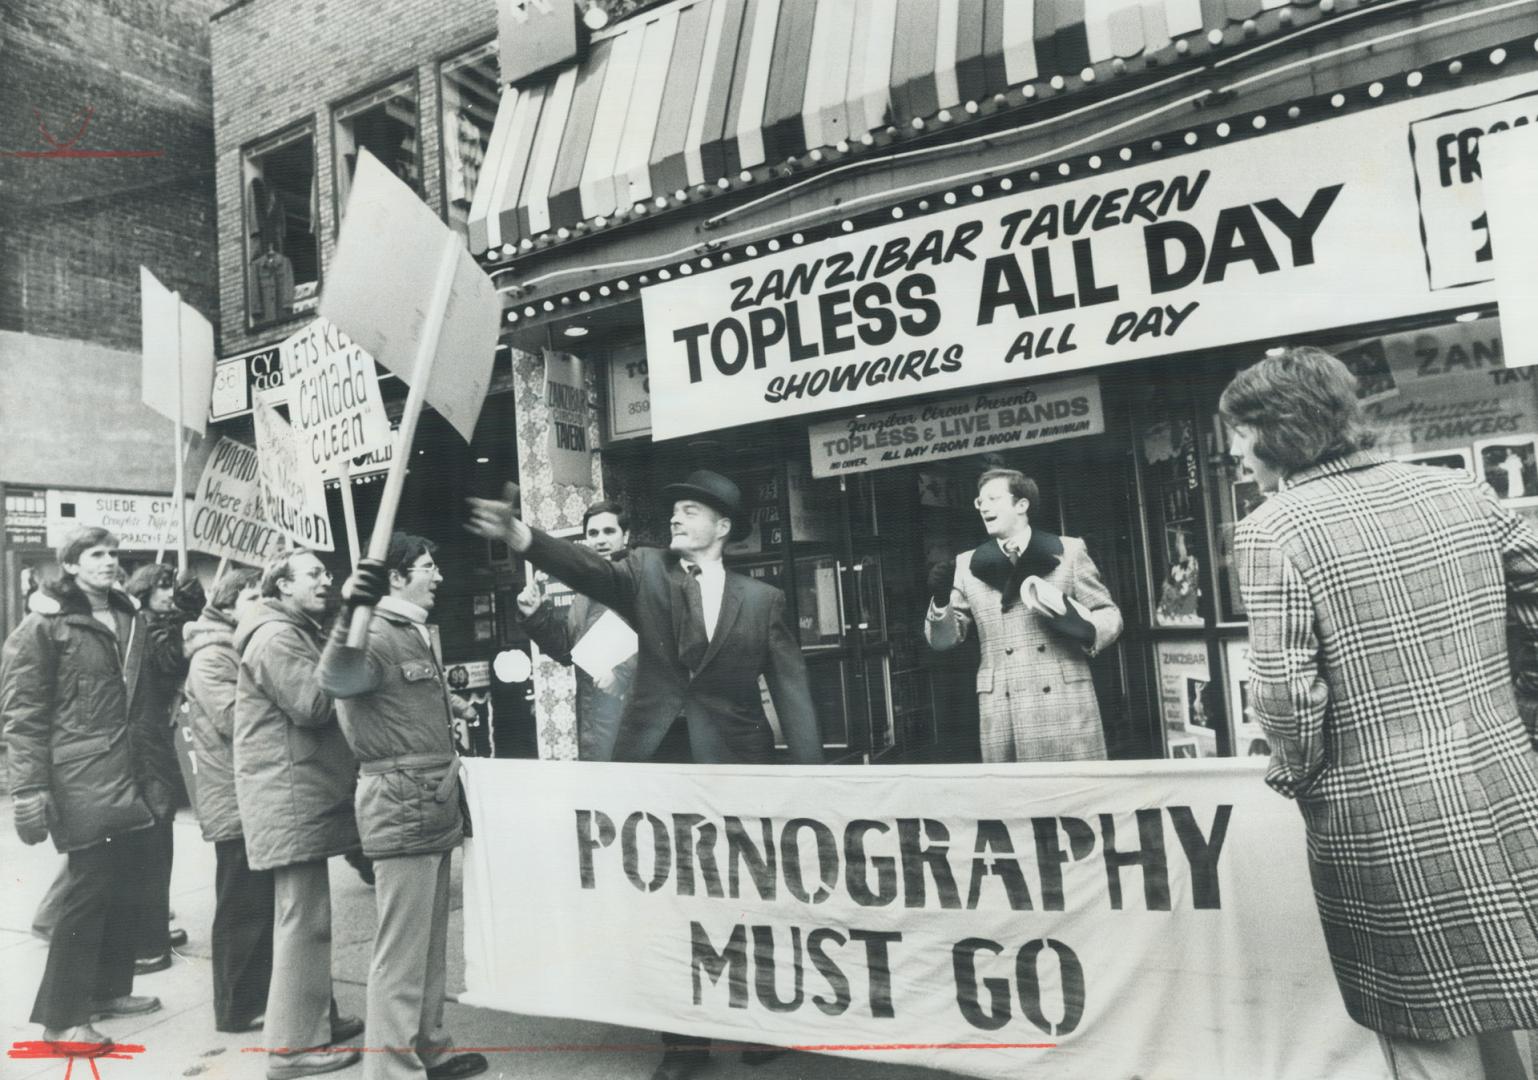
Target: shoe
<point>309,1063</point>
<point>458,1066</point>
<point>152,964</point>
<point>344,1029</point>
<point>127,1005</point>
<point>681,1064</point>
<point>762,1055</point>
<point>177,938</point>
<point>80,1041</point>
<point>243,1029</point>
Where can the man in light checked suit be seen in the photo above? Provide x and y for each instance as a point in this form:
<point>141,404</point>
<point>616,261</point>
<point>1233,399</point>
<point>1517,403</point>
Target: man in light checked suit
<point>1035,698</point>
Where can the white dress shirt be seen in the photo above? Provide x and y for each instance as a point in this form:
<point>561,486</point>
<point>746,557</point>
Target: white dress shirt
<point>712,588</point>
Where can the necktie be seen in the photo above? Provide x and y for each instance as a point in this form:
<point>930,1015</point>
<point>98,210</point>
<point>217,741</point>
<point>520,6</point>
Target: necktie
<point>693,641</point>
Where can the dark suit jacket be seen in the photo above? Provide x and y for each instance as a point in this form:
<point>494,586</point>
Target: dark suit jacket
<point>721,700</point>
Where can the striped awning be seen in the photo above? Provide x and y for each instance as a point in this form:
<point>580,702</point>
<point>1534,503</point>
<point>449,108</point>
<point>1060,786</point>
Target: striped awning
<point>702,92</point>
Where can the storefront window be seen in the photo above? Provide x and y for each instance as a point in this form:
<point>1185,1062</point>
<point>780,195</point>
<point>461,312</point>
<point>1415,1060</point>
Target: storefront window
<point>469,98</point>
<point>385,124</point>
<point>1249,737</point>
<point>282,258</point>
<point>1234,494</point>
<point>1171,481</point>
<point>1443,397</point>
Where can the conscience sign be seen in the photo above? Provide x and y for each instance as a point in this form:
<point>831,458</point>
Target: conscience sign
<point>1094,920</point>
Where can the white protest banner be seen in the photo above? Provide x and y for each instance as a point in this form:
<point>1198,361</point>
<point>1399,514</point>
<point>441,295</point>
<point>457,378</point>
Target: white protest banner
<point>1509,161</point>
<point>571,459</point>
<point>140,522</point>
<point>385,274</point>
<point>333,397</point>
<point>1297,230</point>
<point>226,517</point>
<point>1058,921</point>
<point>993,419</point>
<point>293,495</point>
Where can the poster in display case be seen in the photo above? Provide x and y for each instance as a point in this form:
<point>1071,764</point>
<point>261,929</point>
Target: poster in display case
<point>1186,698</point>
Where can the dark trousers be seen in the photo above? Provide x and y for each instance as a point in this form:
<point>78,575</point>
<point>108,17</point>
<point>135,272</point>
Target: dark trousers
<point>242,937</point>
<point>155,907</point>
<point>674,750</point>
<point>91,955</point>
<point>47,917</point>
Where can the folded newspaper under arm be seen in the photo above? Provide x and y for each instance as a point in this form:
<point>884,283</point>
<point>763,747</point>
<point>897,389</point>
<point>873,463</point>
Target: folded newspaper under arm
<point>608,643</point>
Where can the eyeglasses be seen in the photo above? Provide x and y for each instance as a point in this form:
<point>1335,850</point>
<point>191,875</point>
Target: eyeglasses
<point>992,500</point>
<point>430,568</point>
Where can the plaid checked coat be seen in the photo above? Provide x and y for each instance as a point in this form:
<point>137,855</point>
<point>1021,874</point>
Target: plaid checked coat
<point>1035,697</point>
<point>1379,595</point>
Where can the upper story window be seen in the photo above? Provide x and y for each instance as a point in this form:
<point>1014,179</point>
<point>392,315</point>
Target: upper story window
<point>282,257</point>
<point>384,123</point>
<point>469,97</point>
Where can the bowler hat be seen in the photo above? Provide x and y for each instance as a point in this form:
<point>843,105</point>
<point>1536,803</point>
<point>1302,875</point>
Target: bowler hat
<point>717,492</point>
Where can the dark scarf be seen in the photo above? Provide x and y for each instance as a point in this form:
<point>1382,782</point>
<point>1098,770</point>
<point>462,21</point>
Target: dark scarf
<point>992,567</point>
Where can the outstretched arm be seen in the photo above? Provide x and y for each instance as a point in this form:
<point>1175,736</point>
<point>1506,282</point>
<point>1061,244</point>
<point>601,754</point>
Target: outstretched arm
<point>610,583</point>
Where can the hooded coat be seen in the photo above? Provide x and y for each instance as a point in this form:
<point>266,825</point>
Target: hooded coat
<point>152,715</point>
<point>65,692</point>
<point>212,667</point>
<point>294,773</point>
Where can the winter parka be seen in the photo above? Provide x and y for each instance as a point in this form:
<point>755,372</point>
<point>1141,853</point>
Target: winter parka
<point>294,774</point>
<point>65,691</point>
<point>212,667</point>
<point>396,709</point>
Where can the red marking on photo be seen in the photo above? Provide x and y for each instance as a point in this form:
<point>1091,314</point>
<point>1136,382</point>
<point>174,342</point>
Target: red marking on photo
<point>655,1047</point>
<point>66,148</point>
<point>70,1052</point>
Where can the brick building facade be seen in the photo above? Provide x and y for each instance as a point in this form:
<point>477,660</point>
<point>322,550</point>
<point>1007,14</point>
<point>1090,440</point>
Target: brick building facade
<point>285,66</point>
<point>80,79</point>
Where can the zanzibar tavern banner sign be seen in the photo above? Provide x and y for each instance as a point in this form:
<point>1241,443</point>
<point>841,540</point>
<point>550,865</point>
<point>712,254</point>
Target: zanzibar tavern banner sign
<point>1066,921</point>
<point>1367,216</point>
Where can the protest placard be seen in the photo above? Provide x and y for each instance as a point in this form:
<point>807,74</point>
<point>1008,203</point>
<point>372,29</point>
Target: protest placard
<point>227,518</point>
<point>333,397</point>
<point>293,495</point>
<point>433,321</point>
<point>386,276</point>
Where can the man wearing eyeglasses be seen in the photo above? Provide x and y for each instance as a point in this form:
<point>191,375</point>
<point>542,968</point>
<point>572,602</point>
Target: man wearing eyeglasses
<point>396,709</point>
<point>1040,612</point>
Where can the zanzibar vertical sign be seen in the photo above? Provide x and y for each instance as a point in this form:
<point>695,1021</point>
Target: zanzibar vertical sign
<point>566,405</point>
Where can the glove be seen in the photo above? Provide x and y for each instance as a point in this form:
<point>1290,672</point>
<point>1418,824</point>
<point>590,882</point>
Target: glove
<point>31,811</point>
<point>362,864</point>
<point>941,576</point>
<point>366,584</point>
<point>188,595</point>
<point>1071,624</point>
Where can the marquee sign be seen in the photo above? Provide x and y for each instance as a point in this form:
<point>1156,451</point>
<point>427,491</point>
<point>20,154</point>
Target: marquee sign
<point>1367,216</point>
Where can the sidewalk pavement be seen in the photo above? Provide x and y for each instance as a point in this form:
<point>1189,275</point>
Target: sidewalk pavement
<point>180,1040</point>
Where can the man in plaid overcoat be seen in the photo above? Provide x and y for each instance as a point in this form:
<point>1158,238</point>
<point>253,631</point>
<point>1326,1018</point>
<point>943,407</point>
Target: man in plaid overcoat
<point>1035,698</point>
<point>1379,596</point>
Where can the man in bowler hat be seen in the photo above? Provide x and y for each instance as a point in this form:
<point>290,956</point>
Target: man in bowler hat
<point>705,633</point>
